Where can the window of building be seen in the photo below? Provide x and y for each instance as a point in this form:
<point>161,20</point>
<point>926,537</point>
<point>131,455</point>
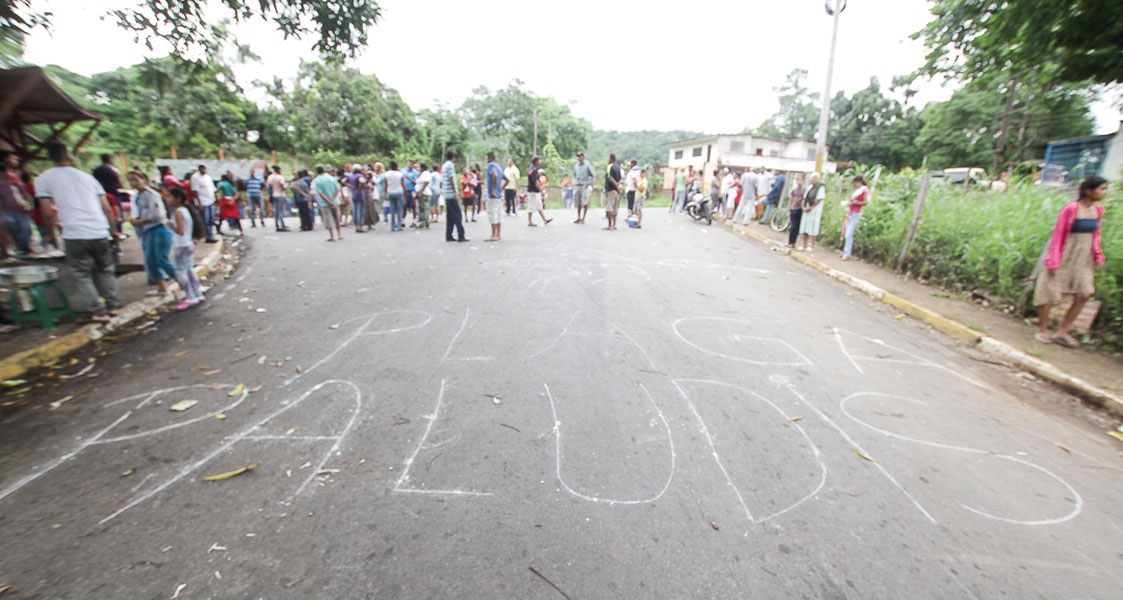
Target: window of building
<point>678,154</point>
<point>773,153</point>
<point>759,152</point>
<point>698,151</point>
<point>811,155</point>
<point>736,147</point>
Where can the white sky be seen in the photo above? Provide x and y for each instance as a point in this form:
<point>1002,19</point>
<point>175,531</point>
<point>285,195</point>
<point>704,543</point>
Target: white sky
<point>703,65</point>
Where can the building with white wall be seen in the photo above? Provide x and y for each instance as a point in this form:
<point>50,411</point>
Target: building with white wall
<point>743,151</point>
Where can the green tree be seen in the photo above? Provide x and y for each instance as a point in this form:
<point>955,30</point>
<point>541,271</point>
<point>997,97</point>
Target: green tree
<point>961,131</point>
<point>870,128</point>
<point>146,113</point>
<point>969,39</point>
<point>340,109</point>
<point>503,121</point>
<point>798,116</point>
<point>190,26</point>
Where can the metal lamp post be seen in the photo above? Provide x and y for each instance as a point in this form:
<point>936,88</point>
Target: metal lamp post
<point>824,113</point>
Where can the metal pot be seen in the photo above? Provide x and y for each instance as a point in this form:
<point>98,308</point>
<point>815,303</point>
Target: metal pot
<point>29,274</point>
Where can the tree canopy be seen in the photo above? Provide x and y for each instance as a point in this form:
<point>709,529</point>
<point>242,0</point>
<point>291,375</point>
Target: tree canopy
<point>1078,40</point>
<point>192,27</point>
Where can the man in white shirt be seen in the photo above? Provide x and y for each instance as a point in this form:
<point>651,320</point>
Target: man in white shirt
<point>763,185</point>
<point>747,209</point>
<point>726,186</point>
<point>203,187</point>
<point>84,214</point>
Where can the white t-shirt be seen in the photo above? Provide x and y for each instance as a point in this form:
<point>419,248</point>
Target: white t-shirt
<point>203,187</point>
<point>763,184</point>
<point>184,239</point>
<point>77,195</point>
<point>422,186</point>
<point>726,183</point>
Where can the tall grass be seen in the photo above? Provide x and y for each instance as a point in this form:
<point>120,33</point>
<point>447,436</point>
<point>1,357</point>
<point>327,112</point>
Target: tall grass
<point>972,239</point>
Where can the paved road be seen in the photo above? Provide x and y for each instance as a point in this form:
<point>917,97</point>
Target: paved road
<point>666,412</point>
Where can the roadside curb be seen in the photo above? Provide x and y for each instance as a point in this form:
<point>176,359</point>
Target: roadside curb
<point>16,365</point>
<point>1109,402</point>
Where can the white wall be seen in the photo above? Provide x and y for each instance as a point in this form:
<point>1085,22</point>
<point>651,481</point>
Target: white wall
<point>1113,158</point>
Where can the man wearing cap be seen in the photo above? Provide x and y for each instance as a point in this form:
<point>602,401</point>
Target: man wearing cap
<point>204,189</point>
<point>583,177</point>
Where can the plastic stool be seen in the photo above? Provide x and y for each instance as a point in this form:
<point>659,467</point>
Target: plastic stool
<point>41,310</point>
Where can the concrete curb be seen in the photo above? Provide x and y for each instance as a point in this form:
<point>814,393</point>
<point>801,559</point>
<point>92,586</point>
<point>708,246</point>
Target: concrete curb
<point>16,365</point>
<point>1110,402</point>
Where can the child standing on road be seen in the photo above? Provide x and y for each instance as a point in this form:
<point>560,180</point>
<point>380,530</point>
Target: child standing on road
<point>187,227</point>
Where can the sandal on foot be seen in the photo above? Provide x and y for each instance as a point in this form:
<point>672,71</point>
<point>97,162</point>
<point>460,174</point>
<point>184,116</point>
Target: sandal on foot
<point>1043,338</point>
<point>1067,341</point>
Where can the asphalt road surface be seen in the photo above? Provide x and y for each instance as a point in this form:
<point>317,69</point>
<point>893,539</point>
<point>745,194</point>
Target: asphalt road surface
<point>666,412</point>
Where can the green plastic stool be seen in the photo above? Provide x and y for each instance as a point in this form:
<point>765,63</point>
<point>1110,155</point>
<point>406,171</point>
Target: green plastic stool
<point>42,310</point>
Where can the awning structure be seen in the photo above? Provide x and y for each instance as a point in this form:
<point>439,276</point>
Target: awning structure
<point>27,98</point>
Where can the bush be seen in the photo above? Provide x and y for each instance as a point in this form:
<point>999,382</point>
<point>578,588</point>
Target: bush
<point>976,239</point>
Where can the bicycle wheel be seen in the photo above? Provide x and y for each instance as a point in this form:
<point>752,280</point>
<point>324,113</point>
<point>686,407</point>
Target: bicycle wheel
<point>780,220</point>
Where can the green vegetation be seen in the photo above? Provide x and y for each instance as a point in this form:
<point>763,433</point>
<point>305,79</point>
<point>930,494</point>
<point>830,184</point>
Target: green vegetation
<point>972,239</point>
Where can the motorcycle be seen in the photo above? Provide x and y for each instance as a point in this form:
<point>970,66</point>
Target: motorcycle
<point>700,207</point>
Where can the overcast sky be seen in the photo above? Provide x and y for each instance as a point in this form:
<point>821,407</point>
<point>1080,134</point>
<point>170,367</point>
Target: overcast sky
<point>702,65</point>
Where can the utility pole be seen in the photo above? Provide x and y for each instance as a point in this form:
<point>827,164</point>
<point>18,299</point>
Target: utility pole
<point>824,112</point>
<point>535,132</point>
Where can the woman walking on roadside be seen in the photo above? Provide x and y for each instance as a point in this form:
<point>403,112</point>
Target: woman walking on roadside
<point>859,199</point>
<point>1071,261</point>
<point>157,237</point>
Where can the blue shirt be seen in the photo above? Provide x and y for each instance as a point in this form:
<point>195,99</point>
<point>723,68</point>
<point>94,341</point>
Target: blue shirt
<point>254,186</point>
<point>411,177</point>
<point>777,188</point>
<point>494,180</point>
<point>325,184</point>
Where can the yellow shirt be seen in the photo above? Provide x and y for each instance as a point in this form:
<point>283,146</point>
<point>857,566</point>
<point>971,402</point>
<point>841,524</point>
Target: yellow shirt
<point>512,174</point>
<point>641,187</point>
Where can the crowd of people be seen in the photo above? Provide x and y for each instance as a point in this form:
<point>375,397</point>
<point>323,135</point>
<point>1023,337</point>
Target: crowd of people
<point>87,212</point>
<point>755,193</point>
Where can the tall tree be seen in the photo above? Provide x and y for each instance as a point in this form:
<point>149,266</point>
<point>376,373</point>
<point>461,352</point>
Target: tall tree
<point>504,121</point>
<point>339,109</point>
<point>971,38</point>
<point>194,26</point>
<point>798,116</point>
<point>961,131</point>
<point>1004,44</point>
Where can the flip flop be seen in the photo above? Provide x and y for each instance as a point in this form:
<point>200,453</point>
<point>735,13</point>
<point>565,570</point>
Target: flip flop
<point>1043,338</point>
<point>1067,341</point>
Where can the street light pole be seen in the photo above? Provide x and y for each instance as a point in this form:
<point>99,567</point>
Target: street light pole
<point>824,112</point>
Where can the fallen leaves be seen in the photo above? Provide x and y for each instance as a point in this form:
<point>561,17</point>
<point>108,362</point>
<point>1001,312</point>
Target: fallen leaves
<point>128,472</point>
<point>220,416</point>
<point>257,388</point>
<point>231,474</point>
<point>334,326</point>
<point>183,405</point>
<point>1115,434</point>
<point>794,419</point>
<point>863,455</point>
<point>178,590</point>
<point>237,390</point>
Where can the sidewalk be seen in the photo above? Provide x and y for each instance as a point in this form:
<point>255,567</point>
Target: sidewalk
<point>1093,375</point>
<point>31,347</point>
